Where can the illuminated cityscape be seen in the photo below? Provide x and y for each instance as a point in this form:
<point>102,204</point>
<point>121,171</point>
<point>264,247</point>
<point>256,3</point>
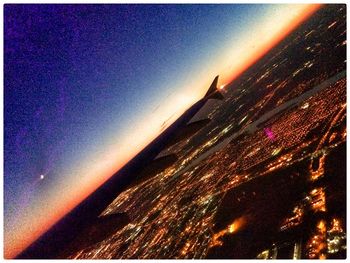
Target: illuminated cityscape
<point>265,178</point>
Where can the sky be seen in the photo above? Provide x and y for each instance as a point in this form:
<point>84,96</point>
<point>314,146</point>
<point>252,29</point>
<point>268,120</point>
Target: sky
<point>86,87</point>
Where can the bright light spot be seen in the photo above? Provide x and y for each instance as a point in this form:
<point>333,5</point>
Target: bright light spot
<point>269,133</point>
<point>276,151</point>
<point>305,106</point>
<point>333,24</point>
<point>243,119</point>
<point>222,86</point>
<point>42,177</point>
<point>231,228</point>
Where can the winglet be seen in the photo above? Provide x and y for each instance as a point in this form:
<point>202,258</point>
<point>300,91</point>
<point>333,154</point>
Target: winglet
<point>213,92</point>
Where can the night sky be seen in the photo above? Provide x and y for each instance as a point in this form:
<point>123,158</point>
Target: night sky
<point>88,86</point>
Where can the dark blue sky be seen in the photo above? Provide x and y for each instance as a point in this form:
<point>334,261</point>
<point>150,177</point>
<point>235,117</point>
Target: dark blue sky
<point>80,78</point>
<point>76,72</point>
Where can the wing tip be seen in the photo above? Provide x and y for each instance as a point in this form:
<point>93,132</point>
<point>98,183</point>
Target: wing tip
<point>213,91</point>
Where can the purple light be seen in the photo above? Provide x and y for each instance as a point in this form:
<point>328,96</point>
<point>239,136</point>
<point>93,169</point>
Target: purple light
<point>269,133</point>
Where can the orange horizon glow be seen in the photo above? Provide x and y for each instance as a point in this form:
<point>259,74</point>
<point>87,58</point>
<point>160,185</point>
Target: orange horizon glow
<point>102,168</point>
<point>266,47</point>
